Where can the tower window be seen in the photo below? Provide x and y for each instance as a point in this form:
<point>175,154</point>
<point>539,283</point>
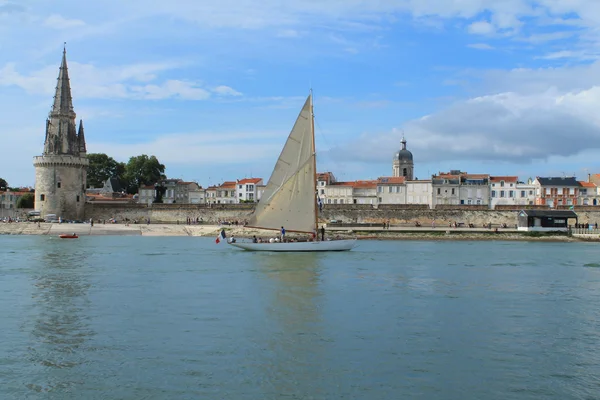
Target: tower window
<point>42,197</point>
<point>58,185</point>
<point>404,172</point>
<point>78,198</point>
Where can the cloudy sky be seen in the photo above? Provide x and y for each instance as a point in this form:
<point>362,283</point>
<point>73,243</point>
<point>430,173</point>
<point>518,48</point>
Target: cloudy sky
<point>212,88</point>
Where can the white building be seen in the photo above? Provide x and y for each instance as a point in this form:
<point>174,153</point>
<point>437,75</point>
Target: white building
<point>419,192</point>
<point>391,190</point>
<point>247,189</point>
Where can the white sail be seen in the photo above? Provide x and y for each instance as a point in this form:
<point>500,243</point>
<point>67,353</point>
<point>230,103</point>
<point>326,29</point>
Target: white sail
<point>289,197</point>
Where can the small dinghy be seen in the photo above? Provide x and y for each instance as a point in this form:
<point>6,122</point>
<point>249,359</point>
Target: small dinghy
<point>67,236</point>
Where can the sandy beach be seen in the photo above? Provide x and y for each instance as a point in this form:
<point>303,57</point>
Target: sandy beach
<point>371,233</point>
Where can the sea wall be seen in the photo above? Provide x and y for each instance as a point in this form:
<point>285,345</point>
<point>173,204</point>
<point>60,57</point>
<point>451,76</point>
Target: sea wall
<point>344,213</point>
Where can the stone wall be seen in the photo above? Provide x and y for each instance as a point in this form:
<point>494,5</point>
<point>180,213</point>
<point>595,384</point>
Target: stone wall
<point>347,213</point>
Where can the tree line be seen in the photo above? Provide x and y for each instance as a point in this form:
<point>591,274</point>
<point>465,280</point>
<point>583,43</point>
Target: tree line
<point>138,171</point>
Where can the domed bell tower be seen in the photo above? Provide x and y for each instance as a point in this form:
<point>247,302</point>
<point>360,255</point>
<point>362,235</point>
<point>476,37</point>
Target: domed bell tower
<point>403,162</point>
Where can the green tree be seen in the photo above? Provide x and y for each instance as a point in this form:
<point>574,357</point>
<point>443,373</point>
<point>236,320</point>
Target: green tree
<point>142,170</point>
<point>103,167</point>
<point>3,184</point>
<point>25,201</point>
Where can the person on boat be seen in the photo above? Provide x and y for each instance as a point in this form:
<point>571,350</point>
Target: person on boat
<point>282,233</point>
<point>322,233</point>
<point>254,239</point>
<point>232,240</point>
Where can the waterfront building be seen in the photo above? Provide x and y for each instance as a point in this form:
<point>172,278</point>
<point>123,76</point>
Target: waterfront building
<point>588,194</point>
<point>391,190</point>
<point>323,180</point>
<point>460,188</point>
<point>8,201</point>
<point>61,170</point>
<point>556,191</point>
<point>445,188</point>
<point>419,192</point>
<point>247,190</point>
<point>546,220</point>
<point>226,193</point>
<point>403,165</point>
<point>146,194</point>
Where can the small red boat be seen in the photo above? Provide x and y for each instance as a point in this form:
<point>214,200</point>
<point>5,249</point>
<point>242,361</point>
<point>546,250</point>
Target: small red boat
<point>65,236</point>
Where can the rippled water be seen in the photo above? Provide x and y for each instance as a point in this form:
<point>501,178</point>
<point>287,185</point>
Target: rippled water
<point>183,318</point>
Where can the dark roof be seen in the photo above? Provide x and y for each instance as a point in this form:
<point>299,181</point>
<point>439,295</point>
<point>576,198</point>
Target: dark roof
<point>560,181</point>
<point>549,213</point>
<point>116,185</point>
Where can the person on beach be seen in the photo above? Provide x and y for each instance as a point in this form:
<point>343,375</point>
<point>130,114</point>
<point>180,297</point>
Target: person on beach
<point>322,233</point>
<point>254,240</point>
<point>282,234</point>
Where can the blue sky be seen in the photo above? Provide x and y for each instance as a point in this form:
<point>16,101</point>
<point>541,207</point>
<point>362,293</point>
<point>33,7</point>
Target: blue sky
<point>212,88</point>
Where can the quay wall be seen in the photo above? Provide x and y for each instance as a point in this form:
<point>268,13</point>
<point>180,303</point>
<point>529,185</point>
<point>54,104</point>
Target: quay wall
<point>342,213</point>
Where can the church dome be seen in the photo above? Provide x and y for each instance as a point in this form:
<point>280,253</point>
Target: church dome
<point>403,154</point>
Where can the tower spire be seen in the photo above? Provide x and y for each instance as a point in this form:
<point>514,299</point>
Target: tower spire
<point>63,103</point>
<point>81,139</point>
<point>403,141</point>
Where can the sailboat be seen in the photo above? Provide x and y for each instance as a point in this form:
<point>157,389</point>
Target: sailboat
<point>290,197</point>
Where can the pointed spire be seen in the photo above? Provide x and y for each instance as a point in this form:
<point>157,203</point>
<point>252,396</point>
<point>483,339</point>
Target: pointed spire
<point>81,138</point>
<point>63,104</point>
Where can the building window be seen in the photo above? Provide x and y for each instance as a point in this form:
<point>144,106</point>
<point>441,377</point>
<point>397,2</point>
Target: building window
<point>389,189</point>
<point>341,201</point>
<point>501,183</point>
<point>404,172</point>
<point>502,193</point>
<point>379,189</point>
<point>511,194</point>
<point>322,191</point>
<point>469,201</point>
<point>380,200</point>
<point>240,186</point>
<point>77,198</point>
<point>58,185</point>
<point>522,193</point>
<point>438,191</point>
<point>328,201</point>
<point>478,202</point>
<point>493,193</point>
<point>42,197</point>
<point>559,191</point>
<point>453,191</point>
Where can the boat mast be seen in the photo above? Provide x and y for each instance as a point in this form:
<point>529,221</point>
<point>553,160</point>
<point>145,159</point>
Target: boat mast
<point>314,149</point>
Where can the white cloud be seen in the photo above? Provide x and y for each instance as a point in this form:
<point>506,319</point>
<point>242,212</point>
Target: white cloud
<point>481,28</point>
<point>226,91</point>
<point>89,81</point>
<point>480,46</point>
<point>56,21</point>
<point>507,127</point>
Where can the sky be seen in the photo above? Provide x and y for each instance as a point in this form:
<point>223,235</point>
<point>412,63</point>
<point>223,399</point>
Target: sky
<point>503,87</point>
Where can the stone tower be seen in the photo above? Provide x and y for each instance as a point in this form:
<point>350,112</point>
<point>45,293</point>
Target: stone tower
<point>403,162</point>
<point>61,171</point>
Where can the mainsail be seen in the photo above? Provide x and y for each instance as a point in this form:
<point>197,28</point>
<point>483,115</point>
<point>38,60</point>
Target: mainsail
<point>289,197</point>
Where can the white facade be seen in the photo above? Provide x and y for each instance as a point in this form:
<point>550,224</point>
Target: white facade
<point>247,189</point>
<point>419,192</point>
<point>391,190</point>
<point>146,195</point>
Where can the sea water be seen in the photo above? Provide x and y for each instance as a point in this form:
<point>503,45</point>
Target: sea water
<point>112,317</point>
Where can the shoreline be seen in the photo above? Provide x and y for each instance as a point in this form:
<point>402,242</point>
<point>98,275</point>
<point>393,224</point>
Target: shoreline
<point>200,230</point>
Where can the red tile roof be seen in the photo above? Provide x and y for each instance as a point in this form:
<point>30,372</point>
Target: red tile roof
<point>513,179</point>
<point>358,184</point>
<point>587,184</point>
<point>249,180</point>
<point>385,180</point>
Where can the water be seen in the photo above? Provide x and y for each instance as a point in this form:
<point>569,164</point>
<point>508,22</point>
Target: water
<point>183,318</point>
